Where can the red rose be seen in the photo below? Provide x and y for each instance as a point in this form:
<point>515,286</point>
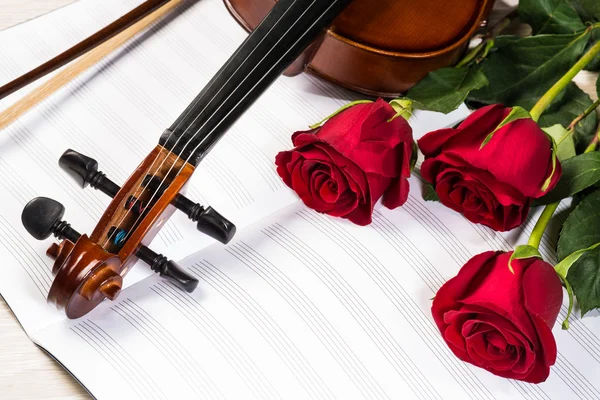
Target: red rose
<point>501,321</point>
<point>491,181</point>
<point>345,166</point>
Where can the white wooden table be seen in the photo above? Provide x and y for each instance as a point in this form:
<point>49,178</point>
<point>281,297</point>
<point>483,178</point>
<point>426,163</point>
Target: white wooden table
<point>25,371</point>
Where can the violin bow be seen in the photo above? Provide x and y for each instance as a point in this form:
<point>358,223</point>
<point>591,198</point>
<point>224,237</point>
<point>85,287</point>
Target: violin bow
<point>86,54</point>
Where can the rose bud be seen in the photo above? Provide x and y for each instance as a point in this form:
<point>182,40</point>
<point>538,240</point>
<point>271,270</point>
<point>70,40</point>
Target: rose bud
<point>499,320</point>
<point>492,166</point>
<point>358,156</point>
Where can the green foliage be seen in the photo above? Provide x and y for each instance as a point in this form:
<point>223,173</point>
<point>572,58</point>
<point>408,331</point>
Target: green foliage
<point>429,193</point>
<point>550,16</point>
<point>565,146</point>
<point>521,70</point>
<point>566,108</point>
<point>563,267</point>
<point>445,89</point>
<point>403,107</point>
<point>579,173</point>
<point>579,250</point>
<point>517,72</point>
<point>589,11</point>
<point>523,252</point>
<point>584,277</point>
<point>582,228</point>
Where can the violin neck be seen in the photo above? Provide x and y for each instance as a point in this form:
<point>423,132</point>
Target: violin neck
<point>281,37</point>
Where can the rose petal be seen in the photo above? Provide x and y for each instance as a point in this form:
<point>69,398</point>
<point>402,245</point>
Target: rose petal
<point>477,126</point>
<point>543,297</point>
<point>452,291</point>
<point>363,135</point>
<point>500,291</point>
<point>523,148</point>
<point>397,193</point>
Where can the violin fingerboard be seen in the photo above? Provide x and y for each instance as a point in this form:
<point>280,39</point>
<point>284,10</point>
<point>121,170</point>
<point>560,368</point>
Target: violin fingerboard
<point>282,36</point>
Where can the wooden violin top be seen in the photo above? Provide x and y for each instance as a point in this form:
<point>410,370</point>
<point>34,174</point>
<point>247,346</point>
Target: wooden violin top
<point>407,26</point>
<point>384,47</point>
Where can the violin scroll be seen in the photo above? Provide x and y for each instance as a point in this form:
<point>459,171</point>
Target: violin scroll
<point>90,269</point>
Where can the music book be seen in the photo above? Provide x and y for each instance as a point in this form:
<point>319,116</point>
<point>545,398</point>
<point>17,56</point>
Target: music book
<point>299,305</point>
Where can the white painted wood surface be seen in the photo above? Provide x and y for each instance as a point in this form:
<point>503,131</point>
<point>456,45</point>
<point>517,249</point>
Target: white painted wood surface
<point>26,372</point>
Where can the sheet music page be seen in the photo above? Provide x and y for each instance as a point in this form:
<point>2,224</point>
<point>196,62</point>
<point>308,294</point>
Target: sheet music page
<point>301,305</point>
<point>116,112</point>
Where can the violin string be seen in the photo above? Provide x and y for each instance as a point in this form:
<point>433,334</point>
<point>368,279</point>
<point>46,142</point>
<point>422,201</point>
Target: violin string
<point>259,81</point>
<point>140,188</point>
<point>250,91</point>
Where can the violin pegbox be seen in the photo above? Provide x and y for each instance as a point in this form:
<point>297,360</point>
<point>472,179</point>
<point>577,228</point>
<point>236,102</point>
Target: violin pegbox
<point>89,269</point>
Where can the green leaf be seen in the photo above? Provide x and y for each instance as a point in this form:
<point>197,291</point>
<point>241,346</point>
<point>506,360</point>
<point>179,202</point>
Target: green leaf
<point>565,146</point>
<point>569,106</point>
<point>550,16</point>
<point>565,323</point>
<point>563,267</point>
<point>523,252</point>
<point>594,65</point>
<point>589,10</point>
<point>445,89</point>
<point>521,70</point>
<point>579,252</point>
<point>584,277</point>
<point>515,114</point>
<point>582,228</point>
<point>429,193</point>
<point>578,173</point>
<point>403,108</point>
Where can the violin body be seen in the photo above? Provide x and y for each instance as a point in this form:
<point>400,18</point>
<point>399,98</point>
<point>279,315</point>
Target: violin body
<point>383,47</point>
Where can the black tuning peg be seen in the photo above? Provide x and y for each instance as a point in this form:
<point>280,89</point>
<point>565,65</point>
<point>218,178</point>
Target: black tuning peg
<point>210,222</point>
<point>42,217</point>
<point>167,269</point>
<point>85,170</point>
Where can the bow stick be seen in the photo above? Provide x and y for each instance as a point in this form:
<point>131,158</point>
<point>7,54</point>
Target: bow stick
<point>86,53</point>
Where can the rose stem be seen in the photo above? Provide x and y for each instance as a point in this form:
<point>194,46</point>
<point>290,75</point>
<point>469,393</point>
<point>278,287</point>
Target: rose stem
<point>536,112</point>
<point>581,117</point>
<point>594,143</point>
<point>562,83</point>
<point>489,37</point>
<point>541,224</point>
<point>587,112</point>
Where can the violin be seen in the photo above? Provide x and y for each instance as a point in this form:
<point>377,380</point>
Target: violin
<point>292,35</point>
<point>89,269</point>
<point>382,48</point>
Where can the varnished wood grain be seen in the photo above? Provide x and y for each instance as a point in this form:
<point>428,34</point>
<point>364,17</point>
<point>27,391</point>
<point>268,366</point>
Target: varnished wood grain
<point>82,47</point>
<point>383,48</point>
<point>77,67</point>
